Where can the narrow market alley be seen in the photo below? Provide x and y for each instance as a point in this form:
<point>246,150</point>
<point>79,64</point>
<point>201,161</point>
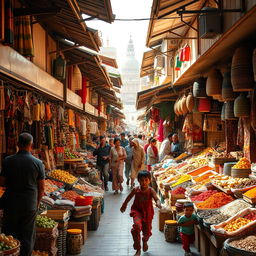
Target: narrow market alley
<point>113,237</point>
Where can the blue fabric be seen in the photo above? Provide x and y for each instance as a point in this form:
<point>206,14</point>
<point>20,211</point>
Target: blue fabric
<point>124,143</point>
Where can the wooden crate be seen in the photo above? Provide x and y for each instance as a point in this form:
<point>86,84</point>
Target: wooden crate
<point>79,225</point>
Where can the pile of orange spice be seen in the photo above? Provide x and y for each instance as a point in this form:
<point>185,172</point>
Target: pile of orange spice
<point>203,177</point>
<point>215,201</point>
<point>251,193</point>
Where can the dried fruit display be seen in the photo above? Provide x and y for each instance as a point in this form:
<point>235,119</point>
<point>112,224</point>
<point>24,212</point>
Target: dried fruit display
<point>63,176</point>
<point>243,163</point>
<point>248,243</point>
<point>70,195</point>
<point>250,216</point>
<point>236,224</point>
<point>87,189</point>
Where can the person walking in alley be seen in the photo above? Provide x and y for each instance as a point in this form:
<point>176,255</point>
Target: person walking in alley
<point>124,141</point>
<point>23,176</point>
<point>128,160</point>
<point>152,154</point>
<point>117,157</point>
<point>102,152</point>
<point>142,211</point>
<point>138,160</point>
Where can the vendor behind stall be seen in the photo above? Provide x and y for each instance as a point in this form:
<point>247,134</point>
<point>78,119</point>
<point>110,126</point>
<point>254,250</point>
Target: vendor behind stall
<point>176,148</point>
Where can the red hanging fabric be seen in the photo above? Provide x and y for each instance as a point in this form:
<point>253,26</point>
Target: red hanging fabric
<point>70,73</point>
<point>83,93</point>
<point>181,55</point>
<point>186,53</point>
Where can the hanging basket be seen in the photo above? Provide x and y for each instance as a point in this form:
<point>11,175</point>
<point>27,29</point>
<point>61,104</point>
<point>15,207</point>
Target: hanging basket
<point>184,105</point>
<point>229,111</point>
<point>204,105</point>
<point>76,79</point>
<point>253,110</point>
<point>179,107</point>
<point>223,112</point>
<point>227,90</point>
<point>242,106</point>
<point>214,83</point>
<point>199,88</point>
<point>190,102</point>
<point>241,70</point>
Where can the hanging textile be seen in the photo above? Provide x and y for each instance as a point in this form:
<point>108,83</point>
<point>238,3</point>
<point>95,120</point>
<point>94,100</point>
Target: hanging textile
<point>240,133</point>
<point>42,110</point>
<point>155,115</point>
<point>181,55</point>
<point>99,105</point>
<point>83,93</point>
<point>83,127</point>
<point>71,118</point>
<point>61,115</point>
<point>161,130</point>
<point>23,36</point>
<point>70,74</point>
<point>36,112</point>
<point>9,24</point>
<point>186,53</point>
<point>78,121</point>
<point>2,98</point>
<point>178,63</point>
<point>48,112</point>
<point>2,133</point>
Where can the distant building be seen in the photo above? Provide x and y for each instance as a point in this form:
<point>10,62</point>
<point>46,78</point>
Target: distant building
<point>109,51</point>
<point>131,83</point>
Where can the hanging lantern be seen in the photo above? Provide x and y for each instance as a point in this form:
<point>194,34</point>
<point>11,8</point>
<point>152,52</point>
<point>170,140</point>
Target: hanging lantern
<point>214,82</point>
<point>227,92</point>
<point>204,105</point>
<point>241,70</point>
<point>199,88</point>
<point>229,110</point>
<point>223,112</point>
<point>183,105</point>
<point>76,79</point>
<point>242,106</point>
<point>59,68</point>
<point>190,102</point>
<point>186,53</point>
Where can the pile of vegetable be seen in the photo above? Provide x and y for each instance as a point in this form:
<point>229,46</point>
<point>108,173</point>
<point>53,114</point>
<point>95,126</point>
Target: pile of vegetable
<point>45,222</point>
<point>7,242</point>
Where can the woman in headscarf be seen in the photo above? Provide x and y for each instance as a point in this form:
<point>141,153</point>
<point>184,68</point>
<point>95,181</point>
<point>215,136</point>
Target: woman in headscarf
<point>117,157</point>
<point>138,159</point>
<point>152,154</point>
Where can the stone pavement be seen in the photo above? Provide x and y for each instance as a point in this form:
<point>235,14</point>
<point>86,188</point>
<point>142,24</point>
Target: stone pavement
<point>113,237</point>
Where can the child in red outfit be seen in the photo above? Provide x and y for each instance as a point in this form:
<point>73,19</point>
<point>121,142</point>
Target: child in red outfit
<point>142,211</point>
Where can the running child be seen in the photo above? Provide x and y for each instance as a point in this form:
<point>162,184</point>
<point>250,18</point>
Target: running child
<point>142,211</point>
<point>186,224</point>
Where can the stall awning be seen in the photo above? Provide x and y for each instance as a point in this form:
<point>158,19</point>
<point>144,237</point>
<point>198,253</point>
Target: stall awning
<point>89,64</point>
<point>147,64</point>
<point>116,80</point>
<point>100,9</point>
<point>66,23</point>
<point>108,61</point>
<point>117,113</point>
<point>166,23</point>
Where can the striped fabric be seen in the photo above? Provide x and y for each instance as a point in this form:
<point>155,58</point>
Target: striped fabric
<point>23,42</point>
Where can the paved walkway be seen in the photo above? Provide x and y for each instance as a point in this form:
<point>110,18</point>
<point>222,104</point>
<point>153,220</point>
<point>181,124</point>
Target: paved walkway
<point>113,237</point>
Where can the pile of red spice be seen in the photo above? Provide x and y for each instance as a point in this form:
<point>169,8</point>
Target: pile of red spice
<point>203,196</point>
<point>215,201</point>
<point>178,191</point>
<point>250,216</point>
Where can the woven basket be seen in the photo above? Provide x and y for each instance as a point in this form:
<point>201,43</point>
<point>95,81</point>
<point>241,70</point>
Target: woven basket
<point>199,88</point>
<point>214,83</point>
<point>242,106</point>
<point>184,105</point>
<point>190,102</point>
<point>227,92</point>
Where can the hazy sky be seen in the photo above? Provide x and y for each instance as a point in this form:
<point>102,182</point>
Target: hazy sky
<point>119,32</point>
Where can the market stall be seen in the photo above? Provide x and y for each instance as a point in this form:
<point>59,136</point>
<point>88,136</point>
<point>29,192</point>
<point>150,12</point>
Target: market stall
<point>224,203</point>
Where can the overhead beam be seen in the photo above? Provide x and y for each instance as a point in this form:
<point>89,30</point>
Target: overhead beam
<point>35,11</point>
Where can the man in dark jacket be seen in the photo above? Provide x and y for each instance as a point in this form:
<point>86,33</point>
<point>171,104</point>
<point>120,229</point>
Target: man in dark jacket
<point>23,176</point>
<point>102,153</point>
